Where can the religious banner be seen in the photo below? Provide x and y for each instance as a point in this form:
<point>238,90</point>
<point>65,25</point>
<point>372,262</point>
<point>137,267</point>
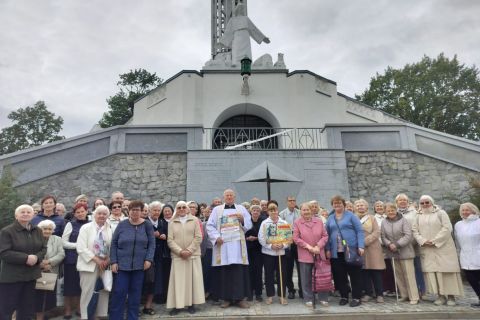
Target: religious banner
<point>279,234</point>
<point>230,227</point>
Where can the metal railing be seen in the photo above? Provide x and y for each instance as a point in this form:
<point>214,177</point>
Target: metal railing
<point>236,138</point>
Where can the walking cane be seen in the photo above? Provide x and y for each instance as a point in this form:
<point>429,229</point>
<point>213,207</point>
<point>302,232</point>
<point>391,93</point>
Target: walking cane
<point>395,278</point>
<point>280,275</point>
<point>314,282</point>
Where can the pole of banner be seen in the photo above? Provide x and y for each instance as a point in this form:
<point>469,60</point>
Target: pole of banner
<point>281,277</point>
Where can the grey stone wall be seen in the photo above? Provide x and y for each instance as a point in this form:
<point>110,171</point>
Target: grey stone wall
<point>144,176</point>
<point>382,175</point>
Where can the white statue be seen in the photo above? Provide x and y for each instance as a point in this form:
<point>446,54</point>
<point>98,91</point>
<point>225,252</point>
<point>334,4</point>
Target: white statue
<point>237,35</point>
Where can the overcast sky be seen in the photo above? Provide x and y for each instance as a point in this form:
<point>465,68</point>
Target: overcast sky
<point>69,53</point>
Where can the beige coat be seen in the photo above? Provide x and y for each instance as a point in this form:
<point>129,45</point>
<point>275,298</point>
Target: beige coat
<point>373,249</point>
<point>55,253</point>
<point>186,279</point>
<point>436,226</point>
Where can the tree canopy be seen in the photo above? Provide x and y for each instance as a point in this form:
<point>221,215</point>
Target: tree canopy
<point>133,85</point>
<point>440,94</point>
<point>32,126</point>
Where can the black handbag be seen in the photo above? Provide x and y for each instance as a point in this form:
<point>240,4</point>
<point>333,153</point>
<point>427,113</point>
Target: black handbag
<point>351,254</point>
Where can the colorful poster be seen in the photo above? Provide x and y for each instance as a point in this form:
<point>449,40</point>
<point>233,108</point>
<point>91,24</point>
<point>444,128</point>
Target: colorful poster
<point>230,228</point>
<point>279,234</point>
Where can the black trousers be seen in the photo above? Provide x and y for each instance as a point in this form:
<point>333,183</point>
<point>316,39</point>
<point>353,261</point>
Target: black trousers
<point>271,265</point>
<point>291,255</point>
<point>255,267</point>
<point>232,282</point>
<point>374,277</point>
<point>17,296</point>
<point>473,277</point>
<point>341,271</point>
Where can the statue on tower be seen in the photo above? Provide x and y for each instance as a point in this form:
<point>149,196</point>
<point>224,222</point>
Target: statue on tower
<point>237,35</point>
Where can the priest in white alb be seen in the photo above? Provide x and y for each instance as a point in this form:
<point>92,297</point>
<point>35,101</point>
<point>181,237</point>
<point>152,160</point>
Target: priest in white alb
<point>226,229</point>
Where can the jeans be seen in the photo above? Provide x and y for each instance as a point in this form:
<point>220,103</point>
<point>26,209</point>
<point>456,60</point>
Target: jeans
<point>127,283</point>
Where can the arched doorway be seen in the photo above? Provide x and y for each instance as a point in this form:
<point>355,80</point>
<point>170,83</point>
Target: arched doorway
<point>242,129</point>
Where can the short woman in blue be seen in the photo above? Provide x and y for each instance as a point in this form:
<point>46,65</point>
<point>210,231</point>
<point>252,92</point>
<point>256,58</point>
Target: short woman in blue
<point>132,252</point>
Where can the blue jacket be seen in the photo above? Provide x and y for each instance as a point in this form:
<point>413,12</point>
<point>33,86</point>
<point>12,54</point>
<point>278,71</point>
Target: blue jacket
<point>132,245</point>
<point>58,220</point>
<point>351,228</point>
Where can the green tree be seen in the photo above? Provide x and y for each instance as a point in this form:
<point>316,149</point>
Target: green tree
<point>440,94</point>
<point>9,197</point>
<point>32,126</point>
<point>133,85</point>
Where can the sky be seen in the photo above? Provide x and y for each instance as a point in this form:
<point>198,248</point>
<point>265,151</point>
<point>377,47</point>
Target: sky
<point>69,53</point>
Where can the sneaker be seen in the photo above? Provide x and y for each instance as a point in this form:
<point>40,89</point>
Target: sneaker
<point>380,299</point>
<point>324,304</point>
<point>441,300</point>
<point>309,304</point>
<point>343,301</point>
<point>365,298</point>
<point>451,301</point>
<point>269,300</point>
<point>355,303</point>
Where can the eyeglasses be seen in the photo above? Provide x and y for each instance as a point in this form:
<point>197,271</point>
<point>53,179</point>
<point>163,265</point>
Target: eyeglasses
<point>117,207</point>
<point>182,207</point>
<point>425,203</point>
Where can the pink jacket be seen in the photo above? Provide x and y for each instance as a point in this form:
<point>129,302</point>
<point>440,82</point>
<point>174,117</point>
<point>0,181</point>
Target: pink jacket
<point>313,233</point>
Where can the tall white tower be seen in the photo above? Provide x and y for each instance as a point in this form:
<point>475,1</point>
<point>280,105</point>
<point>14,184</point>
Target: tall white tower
<point>221,13</point>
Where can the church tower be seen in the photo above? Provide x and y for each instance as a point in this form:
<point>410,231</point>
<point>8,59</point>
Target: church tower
<point>221,13</point>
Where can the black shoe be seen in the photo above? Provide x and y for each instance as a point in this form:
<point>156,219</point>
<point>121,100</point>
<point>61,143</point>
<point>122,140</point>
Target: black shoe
<point>259,298</point>
<point>300,295</point>
<point>291,295</point>
<point>174,312</point>
<point>343,301</point>
<point>250,299</point>
<point>215,302</point>
<point>355,303</point>
<point>475,305</point>
<point>191,310</point>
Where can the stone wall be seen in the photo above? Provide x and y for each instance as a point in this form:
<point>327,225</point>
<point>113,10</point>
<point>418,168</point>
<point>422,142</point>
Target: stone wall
<point>144,176</point>
<point>382,175</point>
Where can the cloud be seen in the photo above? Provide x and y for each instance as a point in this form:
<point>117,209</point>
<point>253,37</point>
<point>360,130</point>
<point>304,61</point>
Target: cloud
<point>70,53</point>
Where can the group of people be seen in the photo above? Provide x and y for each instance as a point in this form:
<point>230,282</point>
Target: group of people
<point>184,254</point>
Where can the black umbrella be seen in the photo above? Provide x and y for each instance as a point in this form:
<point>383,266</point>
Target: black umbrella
<point>92,305</point>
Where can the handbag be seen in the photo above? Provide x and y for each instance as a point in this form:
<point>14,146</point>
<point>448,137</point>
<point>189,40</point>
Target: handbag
<point>107,279</point>
<point>321,275</point>
<point>46,281</point>
<point>351,254</point>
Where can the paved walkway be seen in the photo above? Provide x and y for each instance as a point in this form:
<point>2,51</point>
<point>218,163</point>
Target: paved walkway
<point>296,308</point>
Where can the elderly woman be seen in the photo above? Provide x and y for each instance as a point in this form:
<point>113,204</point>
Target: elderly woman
<point>345,229</point>
<point>387,275</point>
<point>165,256</point>
<point>311,236</point>
<point>116,214</point>
<point>185,288</point>
<point>60,209</point>
<point>410,213</point>
<point>397,238</point>
<point>98,202</point>
<point>48,204</point>
<point>81,199</point>
<point>254,249</point>
<point>374,262</point>
<point>132,252</point>
<point>22,247</point>
<point>433,232</point>
<point>93,248</point>
<point>271,251</point>
<point>46,300</point>
<point>71,287</point>
<point>467,235</point>
<point>153,284</point>
<point>207,251</point>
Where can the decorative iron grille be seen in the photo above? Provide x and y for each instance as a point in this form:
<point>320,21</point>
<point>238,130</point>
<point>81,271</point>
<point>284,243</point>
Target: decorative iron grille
<point>236,138</point>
